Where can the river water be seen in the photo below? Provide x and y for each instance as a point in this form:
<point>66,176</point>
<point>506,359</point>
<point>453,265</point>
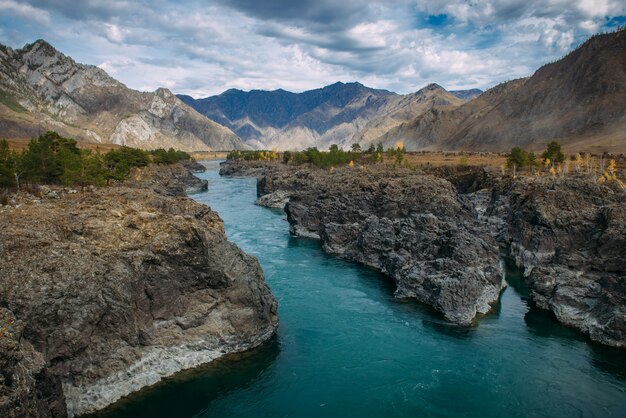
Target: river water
<point>345,347</point>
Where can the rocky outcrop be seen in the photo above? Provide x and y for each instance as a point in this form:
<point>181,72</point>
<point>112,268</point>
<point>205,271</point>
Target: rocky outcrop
<point>569,237</point>
<point>277,199</point>
<point>42,89</point>
<point>194,166</point>
<point>26,388</point>
<point>107,291</point>
<point>411,227</point>
<point>168,179</point>
<point>436,234</point>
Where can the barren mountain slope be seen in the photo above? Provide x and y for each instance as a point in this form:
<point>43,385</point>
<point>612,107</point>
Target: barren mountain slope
<point>404,109</point>
<point>578,100</point>
<point>42,89</point>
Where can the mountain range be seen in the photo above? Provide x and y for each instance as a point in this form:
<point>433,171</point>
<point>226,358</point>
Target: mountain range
<point>577,100</point>
<point>341,113</point>
<point>42,89</point>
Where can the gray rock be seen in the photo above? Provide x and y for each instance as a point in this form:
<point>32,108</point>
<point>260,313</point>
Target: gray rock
<point>277,199</point>
<point>134,286</point>
<point>569,237</point>
<point>437,234</point>
<point>169,179</point>
<point>409,226</point>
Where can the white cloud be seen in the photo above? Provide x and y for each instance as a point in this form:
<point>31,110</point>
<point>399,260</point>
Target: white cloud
<point>25,11</point>
<point>201,48</point>
<point>113,33</point>
<point>553,38</point>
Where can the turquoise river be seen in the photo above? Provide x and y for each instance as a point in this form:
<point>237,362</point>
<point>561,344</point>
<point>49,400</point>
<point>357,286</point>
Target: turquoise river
<point>346,348</point>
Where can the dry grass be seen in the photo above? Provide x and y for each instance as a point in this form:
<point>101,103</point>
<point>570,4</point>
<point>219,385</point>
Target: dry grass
<point>495,160</point>
<point>440,159</point>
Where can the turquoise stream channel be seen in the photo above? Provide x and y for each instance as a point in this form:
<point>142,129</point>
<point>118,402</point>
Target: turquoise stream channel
<point>346,348</point>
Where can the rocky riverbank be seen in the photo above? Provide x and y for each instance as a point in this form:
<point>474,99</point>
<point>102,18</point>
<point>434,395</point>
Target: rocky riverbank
<point>169,179</point>
<point>441,235</point>
<point>106,291</point>
<point>569,238</point>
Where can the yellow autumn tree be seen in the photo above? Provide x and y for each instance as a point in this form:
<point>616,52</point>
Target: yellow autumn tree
<point>579,162</point>
<point>587,162</point>
<point>610,174</point>
<point>612,168</point>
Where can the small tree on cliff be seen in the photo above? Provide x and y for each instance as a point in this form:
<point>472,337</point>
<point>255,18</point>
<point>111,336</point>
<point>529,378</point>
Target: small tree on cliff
<point>517,158</point>
<point>356,147</point>
<point>553,153</point>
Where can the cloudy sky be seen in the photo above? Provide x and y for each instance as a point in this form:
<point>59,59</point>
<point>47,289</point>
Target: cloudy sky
<point>205,47</point>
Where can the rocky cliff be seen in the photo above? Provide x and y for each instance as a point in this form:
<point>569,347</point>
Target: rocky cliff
<point>569,238</point>
<point>42,89</point>
<point>410,226</point>
<point>169,179</point>
<point>107,291</point>
<point>441,234</point>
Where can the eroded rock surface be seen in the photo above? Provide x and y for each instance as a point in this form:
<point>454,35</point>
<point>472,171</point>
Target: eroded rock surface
<point>569,237</point>
<point>409,226</point>
<point>108,291</point>
<point>169,179</point>
<point>437,234</point>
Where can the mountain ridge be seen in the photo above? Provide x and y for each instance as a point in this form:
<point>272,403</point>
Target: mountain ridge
<point>280,119</point>
<point>577,100</point>
<point>54,92</point>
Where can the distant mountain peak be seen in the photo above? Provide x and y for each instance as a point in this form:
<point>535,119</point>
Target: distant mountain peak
<point>577,101</point>
<point>164,92</point>
<point>433,86</point>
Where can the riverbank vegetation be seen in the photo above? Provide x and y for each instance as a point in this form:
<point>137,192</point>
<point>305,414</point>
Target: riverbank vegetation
<point>335,156</point>
<point>554,162</point>
<point>53,159</point>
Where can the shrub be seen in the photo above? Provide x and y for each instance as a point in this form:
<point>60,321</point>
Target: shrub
<point>553,153</point>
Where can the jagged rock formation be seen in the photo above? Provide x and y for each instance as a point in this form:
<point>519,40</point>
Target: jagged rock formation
<point>569,237</point>
<point>169,179</point>
<point>42,89</point>
<point>411,227</point>
<point>105,292</point>
<point>435,234</point>
<point>317,118</point>
<point>578,100</point>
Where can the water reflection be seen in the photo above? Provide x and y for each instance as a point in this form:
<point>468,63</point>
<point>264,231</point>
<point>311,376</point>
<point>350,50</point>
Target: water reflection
<point>609,360</point>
